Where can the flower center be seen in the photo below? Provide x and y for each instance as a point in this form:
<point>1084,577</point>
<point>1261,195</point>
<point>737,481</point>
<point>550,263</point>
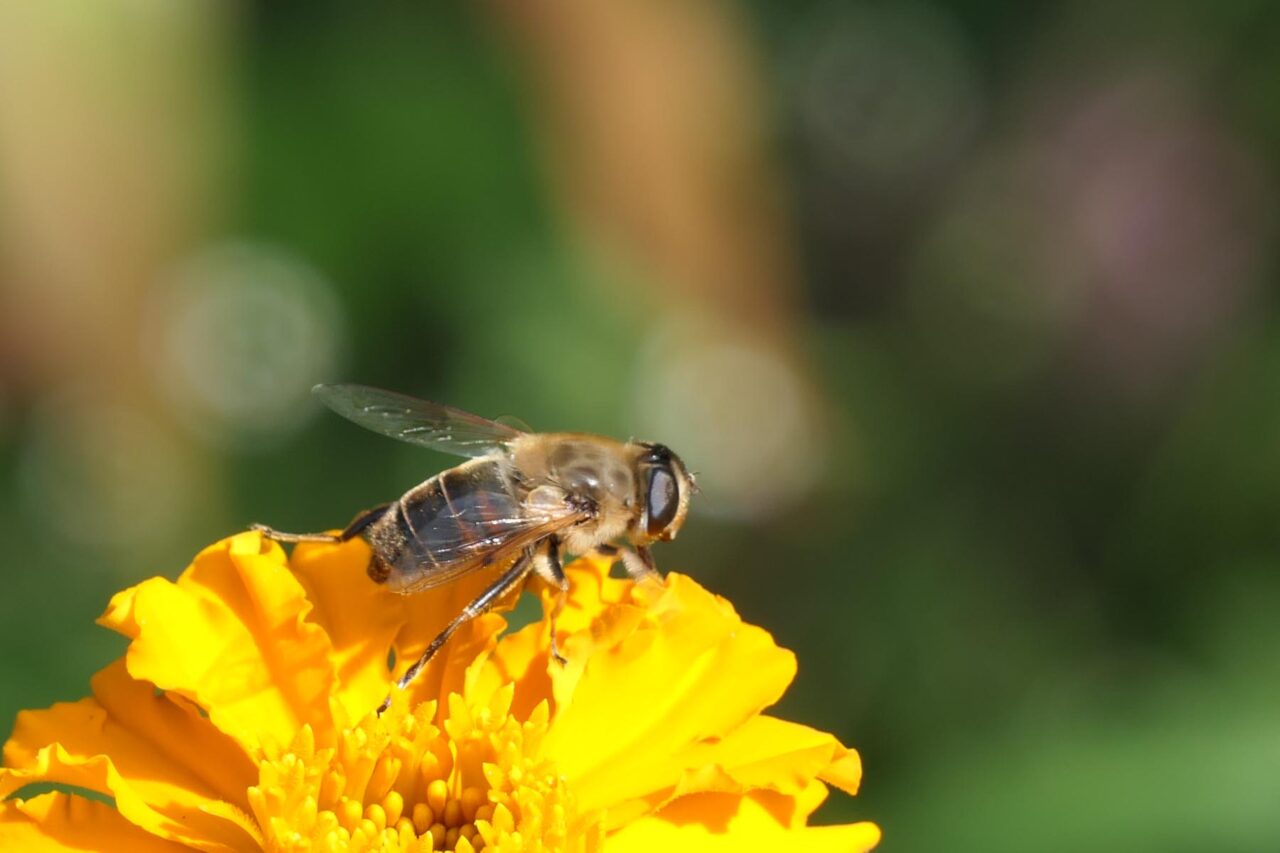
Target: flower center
<point>401,782</point>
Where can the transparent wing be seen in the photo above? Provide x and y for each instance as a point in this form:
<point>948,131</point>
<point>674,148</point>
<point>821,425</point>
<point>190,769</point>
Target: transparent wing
<point>471,517</point>
<point>416,421</point>
<point>466,544</point>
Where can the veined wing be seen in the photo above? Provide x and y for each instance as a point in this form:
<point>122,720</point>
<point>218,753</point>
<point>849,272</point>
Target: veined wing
<point>468,518</point>
<point>416,421</point>
<point>455,555</point>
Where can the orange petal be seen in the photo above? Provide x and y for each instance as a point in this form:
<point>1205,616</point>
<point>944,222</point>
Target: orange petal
<point>591,591</point>
<point>681,671</point>
<point>426,613</point>
<point>520,660</point>
<point>725,822</point>
<point>453,665</point>
<point>173,757</point>
<point>203,831</point>
<point>365,621</point>
<point>58,821</point>
<point>361,618</point>
<point>231,636</point>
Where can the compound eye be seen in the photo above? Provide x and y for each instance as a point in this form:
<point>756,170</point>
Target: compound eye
<point>663,499</point>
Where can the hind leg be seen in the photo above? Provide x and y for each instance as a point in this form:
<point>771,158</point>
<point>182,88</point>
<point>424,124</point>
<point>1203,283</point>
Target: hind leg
<point>352,530</point>
<point>508,581</point>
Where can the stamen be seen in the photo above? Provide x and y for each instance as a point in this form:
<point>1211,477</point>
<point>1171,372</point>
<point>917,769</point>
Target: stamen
<point>407,782</point>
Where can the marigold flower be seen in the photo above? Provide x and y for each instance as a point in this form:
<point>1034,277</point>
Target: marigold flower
<point>241,718</point>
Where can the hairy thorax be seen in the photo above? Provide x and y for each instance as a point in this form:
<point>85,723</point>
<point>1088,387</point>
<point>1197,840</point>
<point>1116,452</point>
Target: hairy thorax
<point>577,467</point>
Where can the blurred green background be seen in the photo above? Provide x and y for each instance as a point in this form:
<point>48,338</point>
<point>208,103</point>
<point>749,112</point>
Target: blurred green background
<point>964,311</point>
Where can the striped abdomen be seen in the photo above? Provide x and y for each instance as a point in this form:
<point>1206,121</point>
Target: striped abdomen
<point>457,521</point>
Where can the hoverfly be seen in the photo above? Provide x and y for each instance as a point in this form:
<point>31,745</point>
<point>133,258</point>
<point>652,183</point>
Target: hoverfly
<point>522,495</point>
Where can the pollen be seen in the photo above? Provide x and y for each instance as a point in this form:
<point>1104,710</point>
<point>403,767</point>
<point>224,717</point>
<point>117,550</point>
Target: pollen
<point>461,778</point>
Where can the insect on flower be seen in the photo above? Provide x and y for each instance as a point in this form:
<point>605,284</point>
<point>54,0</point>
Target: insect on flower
<point>522,495</point>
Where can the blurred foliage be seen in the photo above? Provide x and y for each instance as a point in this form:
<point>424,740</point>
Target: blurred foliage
<point>1036,583</point>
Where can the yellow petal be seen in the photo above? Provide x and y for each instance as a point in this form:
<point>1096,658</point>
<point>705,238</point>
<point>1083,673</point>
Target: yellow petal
<point>591,591</point>
<point>725,822</point>
<point>98,773</point>
<point>777,755</point>
<point>365,621</point>
<point>426,613</point>
<point>173,758</point>
<point>360,617</point>
<point>231,636</point>
<point>686,669</point>
<point>522,659</point>
<point>451,667</point>
<point>58,821</point>
<point>800,806</point>
<point>519,660</point>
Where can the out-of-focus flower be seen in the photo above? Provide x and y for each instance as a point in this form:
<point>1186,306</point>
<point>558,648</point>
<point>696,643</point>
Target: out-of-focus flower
<point>236,337</point>
<point>886,94</point>
<point>241,718</point>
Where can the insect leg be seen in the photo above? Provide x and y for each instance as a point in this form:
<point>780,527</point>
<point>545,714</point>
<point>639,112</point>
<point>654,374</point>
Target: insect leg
<point>556,571</point>
<point>508,581</point>
<point>639,564</point>
<point>352,530</point>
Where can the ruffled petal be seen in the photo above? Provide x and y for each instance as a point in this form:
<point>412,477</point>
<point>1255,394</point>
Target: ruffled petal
<point>170,756</point>
<point>724,822</point>
<point>232,636</point>
<point>520,660</point>
<point>763,753</point>
<point>60,822</point>
<point>523,658</point>
<point>455,664</point>
<point>169,752</point>
<point>591,592</point>
<point>771,754</point>
<point>360,617</point>
<point>425,615</point>
<point>210,827</point>
<point>655,681</point>
<point>365,622</point>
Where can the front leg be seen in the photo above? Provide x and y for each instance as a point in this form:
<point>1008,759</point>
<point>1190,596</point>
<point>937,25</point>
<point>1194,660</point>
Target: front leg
<point>639,564</point>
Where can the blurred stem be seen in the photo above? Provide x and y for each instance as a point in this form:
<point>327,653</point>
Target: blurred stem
<point>656,140</point>
<point>113,131</point>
